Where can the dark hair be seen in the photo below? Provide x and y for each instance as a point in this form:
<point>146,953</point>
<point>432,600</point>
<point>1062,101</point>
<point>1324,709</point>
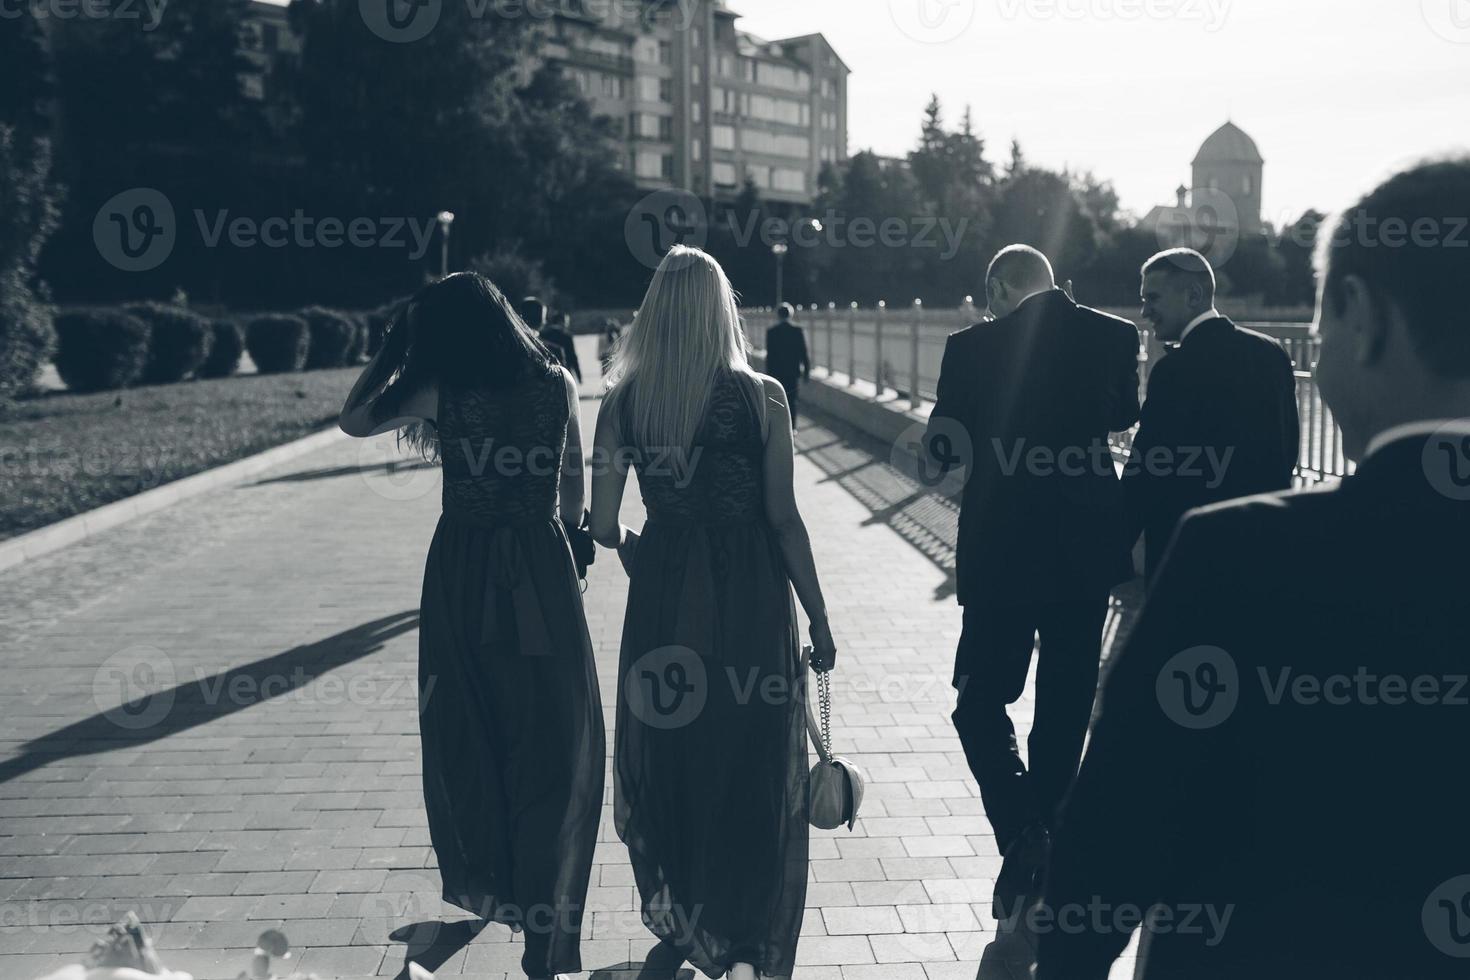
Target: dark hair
<point>1021,267</point>
<point>1187,264</point>
<point>460,332</point>
<point>533,312</point>
<point>1409,241</point>
<point>785,311</point>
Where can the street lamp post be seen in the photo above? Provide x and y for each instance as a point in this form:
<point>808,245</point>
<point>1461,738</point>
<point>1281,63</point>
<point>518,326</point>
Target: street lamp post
<point>446,218</point>
<point>779,250</point>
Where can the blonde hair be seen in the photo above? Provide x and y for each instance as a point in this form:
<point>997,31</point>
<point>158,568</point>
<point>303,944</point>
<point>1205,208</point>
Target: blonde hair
<point>685,335</point>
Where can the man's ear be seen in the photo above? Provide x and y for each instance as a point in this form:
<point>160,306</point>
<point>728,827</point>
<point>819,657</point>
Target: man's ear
<point>1364,318</point>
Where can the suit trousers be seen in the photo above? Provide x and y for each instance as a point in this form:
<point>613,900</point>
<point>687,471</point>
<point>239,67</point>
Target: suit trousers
<point>991,665</point>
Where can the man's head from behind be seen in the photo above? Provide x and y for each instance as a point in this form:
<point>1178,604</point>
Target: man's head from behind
<point>784,312</point>
<point>1016,272</point>
<point>1391,313</point>
<point>1178,286</point>
<point>533,311</point>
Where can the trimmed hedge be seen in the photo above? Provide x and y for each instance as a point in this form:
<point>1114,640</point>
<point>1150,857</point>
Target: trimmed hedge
<point>99,350</point>
<point>225,351</point>
<point>179,342</point>
<point>278,343</point>
<point>27,335</point>
<point>332,337</point>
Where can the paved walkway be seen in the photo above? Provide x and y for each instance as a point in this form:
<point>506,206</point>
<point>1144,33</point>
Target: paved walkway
<point>275,781</point>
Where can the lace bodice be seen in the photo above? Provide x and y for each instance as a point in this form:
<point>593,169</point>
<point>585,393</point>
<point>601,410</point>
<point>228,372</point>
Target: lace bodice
<point>720,479</point>
<point>502,450</point>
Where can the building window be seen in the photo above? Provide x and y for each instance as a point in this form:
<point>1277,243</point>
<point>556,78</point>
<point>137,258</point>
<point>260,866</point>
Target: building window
<point>668,166</point>
<point>698,75</point>
<point>665,53</point>
<point>727,65</point>
<point>665,90</point>
<point>696,150</point>
<point>785,179</point>
<point>722,137</point>
<point>650,164</point>
<point>648,88</point>
<point>666,128</point>
<point>695,112</point>
<point>724,174</point>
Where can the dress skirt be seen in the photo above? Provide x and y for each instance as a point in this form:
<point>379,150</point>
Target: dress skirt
<point>710,759</point>
<point>512,731</point>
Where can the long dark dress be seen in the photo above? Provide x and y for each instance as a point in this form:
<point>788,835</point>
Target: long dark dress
<point>710,762</point>
<point>512,728</point>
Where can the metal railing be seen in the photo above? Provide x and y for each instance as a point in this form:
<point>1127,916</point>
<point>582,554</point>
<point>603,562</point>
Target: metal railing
<point>898,350</point>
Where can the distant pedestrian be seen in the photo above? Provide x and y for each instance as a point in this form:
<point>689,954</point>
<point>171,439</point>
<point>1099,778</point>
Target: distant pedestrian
<point>786,356</point>
<point>558,336</point>
<point>607,342</point>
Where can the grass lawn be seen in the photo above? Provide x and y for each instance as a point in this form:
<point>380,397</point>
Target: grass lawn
<point>61,454</point>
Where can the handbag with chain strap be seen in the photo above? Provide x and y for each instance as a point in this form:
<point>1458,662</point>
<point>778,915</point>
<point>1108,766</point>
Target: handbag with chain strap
<point>836,783</point>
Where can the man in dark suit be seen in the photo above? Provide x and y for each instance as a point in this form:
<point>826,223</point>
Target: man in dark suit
<point>786,356</point>
<point>1025,404</point>
<point>1220,420</point>
<point>558,336</point>
<point>1279,740</point>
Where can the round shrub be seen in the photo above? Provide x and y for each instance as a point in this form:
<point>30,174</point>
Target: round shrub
<point>359,344</point>
<point>332,336</point>
<point>27,336</point>
<point>278,343</point>
<point>377,323</point>
<point>225,351</point>
<point>179,342</point>
<point>100,349</point>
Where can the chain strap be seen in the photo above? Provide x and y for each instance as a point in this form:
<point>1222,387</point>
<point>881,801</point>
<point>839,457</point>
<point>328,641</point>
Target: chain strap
<point>824,692</point>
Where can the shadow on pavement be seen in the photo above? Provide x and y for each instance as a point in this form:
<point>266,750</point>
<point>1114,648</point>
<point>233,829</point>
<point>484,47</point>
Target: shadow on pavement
<point>861,464</point>
<point>179,708</point>
<point>431,944</point>
<point>329,472</point>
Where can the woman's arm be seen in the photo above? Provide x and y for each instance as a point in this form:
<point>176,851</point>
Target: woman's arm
<point>363,414</point>
<point>609,479</point>
<point>573,486</point>
<point>790,529</point>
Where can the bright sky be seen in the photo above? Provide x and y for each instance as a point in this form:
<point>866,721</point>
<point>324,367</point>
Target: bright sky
<point>1335,92</point>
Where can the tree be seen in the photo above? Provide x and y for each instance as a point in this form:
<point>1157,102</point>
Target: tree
<point>27,216</point>
<point>26,81</point>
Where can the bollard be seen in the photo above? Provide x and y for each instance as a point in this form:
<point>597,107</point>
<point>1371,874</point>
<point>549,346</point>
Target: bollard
<point>878,349</point>
<point>852,343</point>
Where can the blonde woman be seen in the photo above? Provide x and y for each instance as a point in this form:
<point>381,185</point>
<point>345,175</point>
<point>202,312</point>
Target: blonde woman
<point>710,762</point>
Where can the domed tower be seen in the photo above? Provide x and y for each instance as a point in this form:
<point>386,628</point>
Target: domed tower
<point>1229,163</point>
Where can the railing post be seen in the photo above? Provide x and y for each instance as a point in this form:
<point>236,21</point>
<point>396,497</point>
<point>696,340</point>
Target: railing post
<point>878,348</point>
<point>852,343</point>
<point>915,397</point>
<point>831,315</point>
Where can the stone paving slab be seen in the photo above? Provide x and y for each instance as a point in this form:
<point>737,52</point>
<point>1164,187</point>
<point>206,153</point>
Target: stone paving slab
<point>276,784</point>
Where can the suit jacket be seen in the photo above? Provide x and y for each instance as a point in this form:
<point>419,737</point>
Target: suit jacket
<point>564,346</point>
<point>1033,396</point>
<point>1220,422</point>
<point>786,355</point>
<point>1328,822</point>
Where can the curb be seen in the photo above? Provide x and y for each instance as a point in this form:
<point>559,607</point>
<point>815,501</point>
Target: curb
<point>81,526</point>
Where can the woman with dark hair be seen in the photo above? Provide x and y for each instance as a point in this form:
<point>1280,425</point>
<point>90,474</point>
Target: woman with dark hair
<point>510,714</point>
